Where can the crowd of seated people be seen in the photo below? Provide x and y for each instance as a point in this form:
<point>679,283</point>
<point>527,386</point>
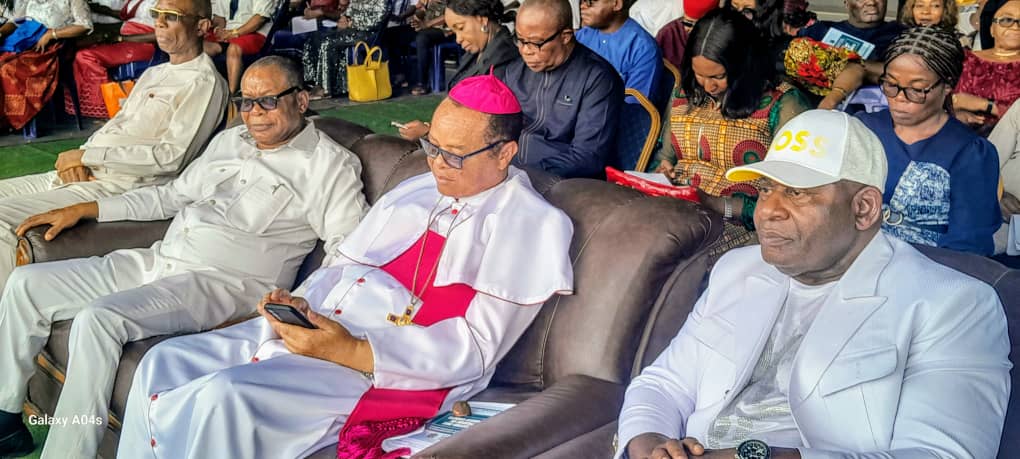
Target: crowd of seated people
<point>816,267</point>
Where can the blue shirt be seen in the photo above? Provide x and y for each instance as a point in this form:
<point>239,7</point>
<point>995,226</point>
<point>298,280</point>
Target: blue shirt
<point>941,191</point>
<point>632,52</point>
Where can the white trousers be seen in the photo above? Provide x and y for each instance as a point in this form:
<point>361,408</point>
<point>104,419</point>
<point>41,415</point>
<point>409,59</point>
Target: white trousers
<point>23,197</point>
<point>125,296</point>
<point>201,396</point>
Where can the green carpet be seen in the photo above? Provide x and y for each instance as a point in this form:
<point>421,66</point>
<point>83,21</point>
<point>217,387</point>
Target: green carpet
<point>39,157</point>
<point>378,115</point>
<point>33,158</point>
<point>39,435</point>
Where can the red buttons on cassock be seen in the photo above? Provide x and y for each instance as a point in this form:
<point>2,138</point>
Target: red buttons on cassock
<point>154,397</point>
<point>454,211</point>
<point>254,360</point>
<point>337,312</point>
<point>152,442</point>
<point>361,280</point>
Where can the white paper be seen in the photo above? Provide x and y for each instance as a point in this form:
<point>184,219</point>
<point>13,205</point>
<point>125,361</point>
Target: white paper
<point>443,426</point>
<point>300,25</point>
<point>656,177</point>
<point>841,39</point>
<point>326,23</point>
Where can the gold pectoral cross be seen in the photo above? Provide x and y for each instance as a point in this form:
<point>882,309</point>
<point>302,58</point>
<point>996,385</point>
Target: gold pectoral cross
<point>403,319</point>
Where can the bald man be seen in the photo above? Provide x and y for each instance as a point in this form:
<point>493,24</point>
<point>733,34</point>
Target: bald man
<point>245,215</point>
<point>571,97</point>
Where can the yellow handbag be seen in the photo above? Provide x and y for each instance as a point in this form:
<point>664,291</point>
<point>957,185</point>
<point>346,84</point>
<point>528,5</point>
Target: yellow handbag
<point>114,94</point>
<point>370,80</point>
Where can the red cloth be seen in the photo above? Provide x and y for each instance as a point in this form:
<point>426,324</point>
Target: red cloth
<point>28,80</point>
<point>249,43</point>
<point>672,38</point>
<point>384,413</point>
<point>92,66</point>
<point>697,9</point>
<point>999,81</point>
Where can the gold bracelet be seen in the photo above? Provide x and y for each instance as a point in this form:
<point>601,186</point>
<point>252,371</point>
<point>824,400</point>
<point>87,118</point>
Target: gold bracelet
<point>54,33</point>
<point>841,91</point>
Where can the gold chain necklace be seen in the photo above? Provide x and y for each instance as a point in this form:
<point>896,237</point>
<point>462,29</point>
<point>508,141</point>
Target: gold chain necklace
<point>1005,54</point>
<point>405,318</point>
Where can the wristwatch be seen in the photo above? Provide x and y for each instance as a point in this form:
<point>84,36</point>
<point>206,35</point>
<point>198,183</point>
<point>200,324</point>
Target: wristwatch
<point>753,449</point>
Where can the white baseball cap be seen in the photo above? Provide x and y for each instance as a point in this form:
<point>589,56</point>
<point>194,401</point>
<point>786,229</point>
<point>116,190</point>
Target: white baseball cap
<point>819,147</point>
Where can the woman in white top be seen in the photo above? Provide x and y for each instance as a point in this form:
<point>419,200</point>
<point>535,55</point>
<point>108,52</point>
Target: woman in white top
<point>28,73</point>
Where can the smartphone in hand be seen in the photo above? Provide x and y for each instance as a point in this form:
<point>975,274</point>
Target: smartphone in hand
<point>289,315</point>
<point>398,125</point>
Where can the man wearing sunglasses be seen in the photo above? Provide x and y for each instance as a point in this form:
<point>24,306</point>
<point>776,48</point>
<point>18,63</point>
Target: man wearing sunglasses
<point>162,125</point>
<point>570,96</point>
<point>422,301</point>
<point>245,215</point>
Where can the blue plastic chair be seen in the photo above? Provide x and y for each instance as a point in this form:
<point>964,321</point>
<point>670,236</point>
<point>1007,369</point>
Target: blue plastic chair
<point>637,133</point>
<point>134,70</point>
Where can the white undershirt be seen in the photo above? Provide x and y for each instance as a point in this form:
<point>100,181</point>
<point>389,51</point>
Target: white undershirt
<point>762,409</point>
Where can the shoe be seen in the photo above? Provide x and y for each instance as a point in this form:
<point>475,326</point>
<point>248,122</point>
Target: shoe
<point>17,442</point>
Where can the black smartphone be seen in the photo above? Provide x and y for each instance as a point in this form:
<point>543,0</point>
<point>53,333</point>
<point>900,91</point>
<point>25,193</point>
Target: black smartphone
<point>289,315</point>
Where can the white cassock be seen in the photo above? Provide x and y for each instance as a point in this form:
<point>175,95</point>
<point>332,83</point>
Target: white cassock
<point>238,392</point>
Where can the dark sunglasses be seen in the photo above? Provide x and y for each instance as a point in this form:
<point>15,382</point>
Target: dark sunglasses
<point>532,45</point>
<point>246,104</point>
<point>168,15</point>
<point>452,159</point>
<point>915,95</point>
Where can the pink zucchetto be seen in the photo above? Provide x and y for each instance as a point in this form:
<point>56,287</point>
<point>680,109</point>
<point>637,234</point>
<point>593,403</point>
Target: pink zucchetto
<point>486,94</point>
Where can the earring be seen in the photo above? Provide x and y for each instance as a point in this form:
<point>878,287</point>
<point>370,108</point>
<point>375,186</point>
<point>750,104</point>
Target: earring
<point>485,29</point>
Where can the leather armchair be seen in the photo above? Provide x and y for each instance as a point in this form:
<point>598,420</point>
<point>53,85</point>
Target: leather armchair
<point>634,258</point>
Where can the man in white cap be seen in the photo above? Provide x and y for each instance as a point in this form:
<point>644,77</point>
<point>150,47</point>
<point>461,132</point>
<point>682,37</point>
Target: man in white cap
<point>420,303</point>
<point>831,339</point>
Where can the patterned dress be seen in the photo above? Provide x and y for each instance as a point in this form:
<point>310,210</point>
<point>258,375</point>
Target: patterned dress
<point>326,53</point>
<point>701,145</point>
<point>29,78</point>
<point>998,81</point>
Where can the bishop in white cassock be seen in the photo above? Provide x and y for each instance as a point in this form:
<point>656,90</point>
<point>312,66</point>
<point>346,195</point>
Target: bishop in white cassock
<point>419,304</point>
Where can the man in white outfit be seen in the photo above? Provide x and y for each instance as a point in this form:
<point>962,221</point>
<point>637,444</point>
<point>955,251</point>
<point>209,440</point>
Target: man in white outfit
<point>831,339</point>
<point>422,301</point>
<point>245,215</point>
<point>171,113</point>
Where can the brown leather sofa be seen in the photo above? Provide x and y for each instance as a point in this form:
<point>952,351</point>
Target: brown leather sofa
<point>639,264</point>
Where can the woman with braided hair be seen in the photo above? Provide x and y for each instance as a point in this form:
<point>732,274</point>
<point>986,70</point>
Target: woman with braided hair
<point>941,189</point>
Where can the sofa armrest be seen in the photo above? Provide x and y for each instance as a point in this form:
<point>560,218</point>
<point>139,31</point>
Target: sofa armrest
<point>574,406</point>
<point>87,239</point>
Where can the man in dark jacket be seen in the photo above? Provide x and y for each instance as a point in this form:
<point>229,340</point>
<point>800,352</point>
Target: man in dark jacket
<point>571,97</point>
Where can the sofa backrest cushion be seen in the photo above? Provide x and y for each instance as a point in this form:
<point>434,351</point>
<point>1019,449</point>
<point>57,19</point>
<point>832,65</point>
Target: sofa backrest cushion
<point>626,245</point>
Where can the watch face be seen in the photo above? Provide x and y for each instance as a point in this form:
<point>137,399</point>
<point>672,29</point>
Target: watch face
<point>753,449</point>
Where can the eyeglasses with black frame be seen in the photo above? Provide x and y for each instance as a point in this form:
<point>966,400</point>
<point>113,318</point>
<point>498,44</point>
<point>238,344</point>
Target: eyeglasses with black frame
<point>532,45</point>
<point>452,159</point>
<point>1006,22</point>
<point>169,15</point>
<point>246,104</point>
<point>915,95</point>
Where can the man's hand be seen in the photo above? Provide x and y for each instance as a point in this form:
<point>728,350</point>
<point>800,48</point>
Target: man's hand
<point>76,174</point>
<point>59,219</point>
<point>283,296</point>
<point>657,446</point>
<point>219,22</point>
<point>330,342</point>
<point>69,159</point>
<point>414,130</point>
<point>223,34</point>
<point>1009,204</point>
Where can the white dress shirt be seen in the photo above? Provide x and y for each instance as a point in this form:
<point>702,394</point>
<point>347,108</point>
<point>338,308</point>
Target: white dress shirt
<point>245,10</point>
<point>169,115</point>
<point>252,212</point>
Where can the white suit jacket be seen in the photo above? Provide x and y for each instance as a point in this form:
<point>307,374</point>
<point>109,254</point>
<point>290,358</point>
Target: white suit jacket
<point>906,359</point>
